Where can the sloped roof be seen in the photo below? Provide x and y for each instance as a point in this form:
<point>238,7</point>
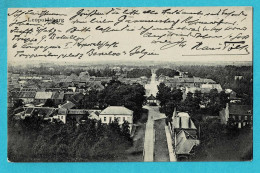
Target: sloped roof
<point>192,89</point>
<point>241,109</point>
<point>151,97</point>
<point>58,95</point>
<point>24,94</point>
<point>47,112</point>
<point>94,115</point>
<point>27,94</point>
<point>183,121</point>
<point>29,110</point>
<point>76,98</point>
<point>62,111</point>
<point>29,89</point>
<point>43,95</point>
<point>68,105</point>
<point>212,86</point>
<point>116,110</point>
<point>77,111</point>
<point>185,143</point>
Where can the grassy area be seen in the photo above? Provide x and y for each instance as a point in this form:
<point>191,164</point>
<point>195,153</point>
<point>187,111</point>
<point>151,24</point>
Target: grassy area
<point>135,152</point>
<point>226,147</point>
<point>161,153</point>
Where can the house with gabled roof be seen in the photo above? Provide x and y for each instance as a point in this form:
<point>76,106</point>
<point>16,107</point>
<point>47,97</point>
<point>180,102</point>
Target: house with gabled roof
<point>58,98</point>
<point>184,144</point>
<point>151,99</point>
<point>120,113</point>
<point>68,105</point>
<point>182,121</point>
<point>26,96</point>
<point>240,115</point>
<point>42,97</point>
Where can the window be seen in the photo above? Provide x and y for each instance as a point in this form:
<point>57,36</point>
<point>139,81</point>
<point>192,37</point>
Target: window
<point>123,118</point>
<point>110,119</point>
<point>245,117</point>
<point>105,119</point>
<point>239,117</point>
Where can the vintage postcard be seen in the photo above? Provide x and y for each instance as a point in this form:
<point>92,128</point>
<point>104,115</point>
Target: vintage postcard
<point>130,84</point>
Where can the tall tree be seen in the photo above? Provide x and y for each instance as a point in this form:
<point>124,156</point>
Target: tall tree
<point>163,94</point>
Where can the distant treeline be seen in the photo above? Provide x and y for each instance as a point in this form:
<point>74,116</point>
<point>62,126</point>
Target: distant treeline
<point>106,72</point>
<point>136,73</point>
<point>167,72</point>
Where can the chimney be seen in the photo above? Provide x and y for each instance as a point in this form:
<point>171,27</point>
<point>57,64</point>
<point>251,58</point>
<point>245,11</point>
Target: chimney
<point>189,123</point>
<point>174,112</point>
<point>227,112</point>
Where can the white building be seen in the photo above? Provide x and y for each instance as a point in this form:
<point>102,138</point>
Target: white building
<point>120,113</point>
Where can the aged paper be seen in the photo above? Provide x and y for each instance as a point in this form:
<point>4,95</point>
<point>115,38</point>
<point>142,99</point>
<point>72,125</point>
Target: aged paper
<point>130,84</point>
<point>161,33</point>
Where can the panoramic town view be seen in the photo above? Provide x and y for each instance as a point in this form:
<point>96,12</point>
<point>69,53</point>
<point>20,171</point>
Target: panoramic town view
<point>150,112</point>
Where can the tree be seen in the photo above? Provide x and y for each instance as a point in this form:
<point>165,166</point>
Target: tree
<point>90,100</point>
<point>126,130</point>
<point>121,94</point>
<point>197,99</point>
<point>167,72</point>
<point>49,103</point>
<point>169,99</point>
<point>18,103</point>
<point>163,94</point>
<point>115,126</point>
<point>223,98</point>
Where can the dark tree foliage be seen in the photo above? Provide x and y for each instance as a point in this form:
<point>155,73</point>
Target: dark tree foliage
<point>163,94</point>
<point>116,93</point>
<point>126,130</point>
<point>106,72</point>
<point>49,103</point>
<point>33,140</point>
<point>136,73</point>
<point>18,103</point>
<point>121,94</point>
<point>169,99</point>
<point>167,72</point>
<point>90,100</point>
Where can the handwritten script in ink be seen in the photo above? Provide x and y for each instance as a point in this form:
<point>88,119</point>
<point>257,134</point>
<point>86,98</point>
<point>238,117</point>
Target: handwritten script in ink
<point>155,33</point>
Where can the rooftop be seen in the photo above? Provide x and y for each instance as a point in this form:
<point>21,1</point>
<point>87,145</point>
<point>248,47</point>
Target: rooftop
<point>116,110</point>
<point>43,95</point>
<point>240,109</point>
<point>185,143</point>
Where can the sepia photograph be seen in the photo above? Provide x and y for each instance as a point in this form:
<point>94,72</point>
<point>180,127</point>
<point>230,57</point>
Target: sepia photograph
<point>130,84</point>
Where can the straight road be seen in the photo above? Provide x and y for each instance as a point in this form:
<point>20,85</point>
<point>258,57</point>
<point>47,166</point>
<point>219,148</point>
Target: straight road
<point>149,141</point>
<point>149,137</point>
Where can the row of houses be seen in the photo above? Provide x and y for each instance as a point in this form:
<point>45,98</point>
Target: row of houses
<point>62,114</point>
<point>203,89</point>
<point>81,81</point>
<point>40,97</point>
<point>179,82</point>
